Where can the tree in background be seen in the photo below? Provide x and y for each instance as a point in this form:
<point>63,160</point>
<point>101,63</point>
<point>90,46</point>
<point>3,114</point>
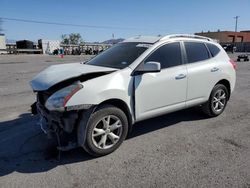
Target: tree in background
<point>73,38</point>
<point>65,39</point>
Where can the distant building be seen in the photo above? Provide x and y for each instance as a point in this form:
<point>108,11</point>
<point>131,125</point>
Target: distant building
<point>227,36</point>
<point>24,44</point>
<point>2,44</point>
<point>48,46</point>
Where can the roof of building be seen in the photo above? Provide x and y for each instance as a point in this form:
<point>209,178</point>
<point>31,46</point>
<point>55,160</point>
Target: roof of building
<point>245,31</point>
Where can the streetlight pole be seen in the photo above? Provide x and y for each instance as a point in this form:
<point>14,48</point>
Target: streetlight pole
<point>1,25</point>
<point>236,22</point>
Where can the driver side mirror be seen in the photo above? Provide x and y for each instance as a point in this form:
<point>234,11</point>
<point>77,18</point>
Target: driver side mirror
<point>147,67</point>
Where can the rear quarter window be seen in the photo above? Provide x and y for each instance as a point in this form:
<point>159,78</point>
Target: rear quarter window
<point>214,50</point>
<point>196,51</point>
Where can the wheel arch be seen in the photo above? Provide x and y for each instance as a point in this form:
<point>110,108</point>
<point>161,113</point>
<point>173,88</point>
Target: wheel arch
<point>226,83</point>
<point>123,106</point>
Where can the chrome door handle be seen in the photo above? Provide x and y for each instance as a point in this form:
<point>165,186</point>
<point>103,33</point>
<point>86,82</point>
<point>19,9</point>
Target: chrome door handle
<point>214,69</point>
<point>180,76</point>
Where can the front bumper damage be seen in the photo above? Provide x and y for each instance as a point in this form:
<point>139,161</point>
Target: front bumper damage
<point>54,121</point>
<point>59,125</point>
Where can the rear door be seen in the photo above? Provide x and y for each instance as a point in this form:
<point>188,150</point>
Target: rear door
<point>202,72</point>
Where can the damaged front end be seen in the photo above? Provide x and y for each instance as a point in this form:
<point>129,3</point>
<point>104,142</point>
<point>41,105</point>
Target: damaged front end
<point>61,125</point>
<point>54,88</point>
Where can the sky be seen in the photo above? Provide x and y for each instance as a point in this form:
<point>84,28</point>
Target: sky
<point>123,18</point>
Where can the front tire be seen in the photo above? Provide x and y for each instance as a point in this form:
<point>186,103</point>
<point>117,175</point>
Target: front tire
<point>217,101</point>
<point>106,130</point>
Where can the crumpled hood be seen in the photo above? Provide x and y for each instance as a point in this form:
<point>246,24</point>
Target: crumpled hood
<point>58,73</point>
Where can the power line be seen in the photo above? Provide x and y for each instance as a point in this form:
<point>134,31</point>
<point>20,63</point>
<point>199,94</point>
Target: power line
<point>68,24</point>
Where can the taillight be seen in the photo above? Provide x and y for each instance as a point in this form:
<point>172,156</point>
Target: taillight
<point>233,63</point>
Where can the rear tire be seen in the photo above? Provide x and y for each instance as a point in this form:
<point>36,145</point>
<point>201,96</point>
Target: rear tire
<point>106,130</point>
<point>217,101</point>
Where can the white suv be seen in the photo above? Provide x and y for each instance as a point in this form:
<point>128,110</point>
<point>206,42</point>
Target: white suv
<point>94,104</point>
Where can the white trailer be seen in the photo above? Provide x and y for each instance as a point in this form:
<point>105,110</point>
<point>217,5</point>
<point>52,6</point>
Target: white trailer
<point>2,44</point>
<point>48,46</point>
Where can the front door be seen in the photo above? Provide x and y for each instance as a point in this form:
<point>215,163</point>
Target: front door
<point>165,91</point>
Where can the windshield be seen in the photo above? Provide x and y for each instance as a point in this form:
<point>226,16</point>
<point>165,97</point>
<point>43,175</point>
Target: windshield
<point>120,55</point>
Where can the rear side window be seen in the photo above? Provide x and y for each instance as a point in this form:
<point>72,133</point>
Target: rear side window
<point>196,52</point>
<point>214,50</point>
<point>168,55</point>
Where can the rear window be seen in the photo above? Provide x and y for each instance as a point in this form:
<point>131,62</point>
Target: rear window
<point>196,52</point>
<point>214,50</point>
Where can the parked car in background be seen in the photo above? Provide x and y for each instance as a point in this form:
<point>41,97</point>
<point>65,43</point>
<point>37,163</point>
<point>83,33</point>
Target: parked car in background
<point>96,103</point>
<point>229,48</point>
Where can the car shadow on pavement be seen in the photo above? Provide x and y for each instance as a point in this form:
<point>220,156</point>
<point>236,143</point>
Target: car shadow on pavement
<point>153,124</point>
<point>25,149</point>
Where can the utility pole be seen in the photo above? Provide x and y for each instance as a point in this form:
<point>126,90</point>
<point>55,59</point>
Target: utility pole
<point>236,22</point>
<point>1,25</point>
<point>113,37</point>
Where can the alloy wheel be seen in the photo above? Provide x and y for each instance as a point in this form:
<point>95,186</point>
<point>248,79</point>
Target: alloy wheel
<point>219,100</point>
<point>107,132</point>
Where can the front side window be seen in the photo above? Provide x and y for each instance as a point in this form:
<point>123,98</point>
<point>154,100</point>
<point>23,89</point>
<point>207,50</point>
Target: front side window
<point>120,55</point>
<point>196,52</point>
<point>168,55</point>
